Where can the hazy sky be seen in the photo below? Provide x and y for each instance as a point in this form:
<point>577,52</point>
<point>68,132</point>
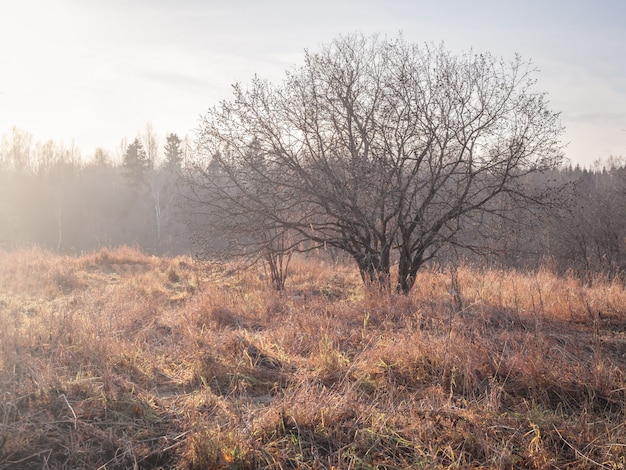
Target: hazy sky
<point>96,71</point>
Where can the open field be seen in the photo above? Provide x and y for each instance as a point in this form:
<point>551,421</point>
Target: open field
<point>120,360</point>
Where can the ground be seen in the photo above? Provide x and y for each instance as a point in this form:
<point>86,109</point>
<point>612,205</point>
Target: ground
<point>121,360</point>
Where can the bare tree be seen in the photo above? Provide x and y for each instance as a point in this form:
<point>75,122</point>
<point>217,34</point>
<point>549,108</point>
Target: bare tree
<point>162,185</point>
<point>233,214</point>
<point>588,237</point>
<point>16,151</point>
<point>379,148</point>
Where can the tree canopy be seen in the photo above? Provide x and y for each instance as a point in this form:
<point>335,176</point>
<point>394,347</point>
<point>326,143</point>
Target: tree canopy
<point>386,150</point>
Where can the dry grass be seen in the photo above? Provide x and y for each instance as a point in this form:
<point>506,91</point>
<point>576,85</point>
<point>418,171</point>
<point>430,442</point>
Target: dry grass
<point>119,360</point>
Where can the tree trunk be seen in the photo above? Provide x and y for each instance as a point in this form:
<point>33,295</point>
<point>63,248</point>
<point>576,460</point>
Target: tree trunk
<point>405,281</point>
<point>374,270</point>
<point>407,270</point>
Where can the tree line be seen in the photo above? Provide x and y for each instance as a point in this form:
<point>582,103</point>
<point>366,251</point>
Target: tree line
<point>63,203</point>
<point>53,197</point>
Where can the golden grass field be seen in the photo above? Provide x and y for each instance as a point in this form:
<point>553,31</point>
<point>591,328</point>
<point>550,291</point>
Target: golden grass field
<point>118,360</point>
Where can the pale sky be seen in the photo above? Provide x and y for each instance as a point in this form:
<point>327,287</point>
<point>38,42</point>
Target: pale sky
<point>97,71</point>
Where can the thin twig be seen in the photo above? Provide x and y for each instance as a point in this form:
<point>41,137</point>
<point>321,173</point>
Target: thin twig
<point>13,462</point>
<point>579,453</point>
<point>71,409</point>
